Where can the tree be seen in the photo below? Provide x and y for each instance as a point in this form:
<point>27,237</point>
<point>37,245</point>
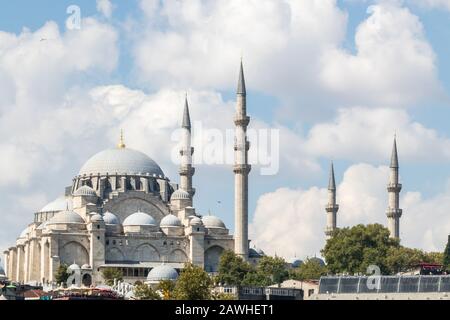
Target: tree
<point>193,284</point>
<point>143,291</point>
<point>401,259</point>
<point>61,275</point>
<point>256,279</point>
<point>446,255</point>
<point>166,287</point>
<point>311,269</point>
<point>354,249</point>
<point>111,274</point>
<point>232,269</point>
<point>274,268</point>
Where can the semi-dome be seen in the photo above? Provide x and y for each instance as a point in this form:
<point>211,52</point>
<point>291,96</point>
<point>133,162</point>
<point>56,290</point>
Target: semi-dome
<point>213,222</point>
<point>162,272</point>
<point>85,191</point>
<point>110,218</point>
<point>139,219</point>
<point>66,217</point>
<point>180,194</point>
<point>59,204</point>
<point>121,161</point>
<point>170,221</point>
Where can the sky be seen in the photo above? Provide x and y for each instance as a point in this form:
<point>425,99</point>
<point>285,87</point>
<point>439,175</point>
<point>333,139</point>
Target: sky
<point>334,80</point>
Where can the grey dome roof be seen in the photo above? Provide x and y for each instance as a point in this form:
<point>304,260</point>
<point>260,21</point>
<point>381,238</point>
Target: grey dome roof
<point>295,262</point>
<point>139,219</point>
<point>24,233</point>
<point>213,222</point>
<point>59,204</point>
<point>180,194</point>
<point>162,272</point>
<point>110,218</point>
<point>195,221</point>
<point>121,161</point>
<point>85,191</point>
<point>170,221</point>
<point>318,260</point>
<point>97,218</point>
<point>255,253</point>
<point>66,217</point>
<point>73,267</point>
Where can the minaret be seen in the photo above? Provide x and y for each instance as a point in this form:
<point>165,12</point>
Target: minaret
<point>186,152</point>
<point>241,171</point>
<point>332,207</point>
<point>394,212</point>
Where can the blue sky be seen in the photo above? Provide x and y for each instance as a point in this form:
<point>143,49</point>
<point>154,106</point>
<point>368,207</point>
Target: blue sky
<point>280,96</point>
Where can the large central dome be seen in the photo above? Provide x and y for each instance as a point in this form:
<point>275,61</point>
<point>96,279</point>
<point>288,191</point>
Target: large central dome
<point>121,161</point>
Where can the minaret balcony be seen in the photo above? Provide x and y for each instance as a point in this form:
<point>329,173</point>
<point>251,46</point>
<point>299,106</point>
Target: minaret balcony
<point>394,213</point>
<point>332,207</point>
<point>186,170</point>
<point>394,187</point>
<point>184,152</point>
<point>329,231</point>
<point>242,168</point>
<point>241,121</point>
<point>240,147</point>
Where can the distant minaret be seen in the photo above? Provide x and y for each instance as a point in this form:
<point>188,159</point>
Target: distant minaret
<point>332,207</point>
<point>394,212</point>
<point>241,170</point>
<point>186,152</point>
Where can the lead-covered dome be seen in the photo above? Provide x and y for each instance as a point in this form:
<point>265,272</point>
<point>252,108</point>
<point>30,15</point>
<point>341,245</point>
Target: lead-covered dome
<point>170,221</point>
<point>110,218</point>
<point>66,217</point>
<point>212,222</point>
<point>59,204</point>
<point>162,272</point>
<point>85,191</point>
<point>139,219</point>
<point>121,161</point>
<point>180,194</point>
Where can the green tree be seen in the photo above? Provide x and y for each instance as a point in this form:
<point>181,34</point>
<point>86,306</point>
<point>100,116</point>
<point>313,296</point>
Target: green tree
<point>256,279</point>
<point>311,269</point>
<point>401,259</point>
<point>166,287</point>
<point>446,256</point>
<point>274,268</point>
<point>354,249</point>
<point>232,269</point>
<point>193,284</point>
<point>111,274</point>
<point>61,275</point>
<point>143,291</point>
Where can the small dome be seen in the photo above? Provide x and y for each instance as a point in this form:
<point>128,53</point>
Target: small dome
<point>295,262</point>
<point>73,267</point>
<point>212,222</point>
<point>139,219</point>
<point>110,218</point>
<point>195,221</point>
<point>85,191</point>
<point>24,233</point>
<point>66,217</point>
<point>60,204</point>
<point>162,272</point>
<point>96,218</point>
<point>180,194</point>
<point>86,267</point>
<point>170,221</point>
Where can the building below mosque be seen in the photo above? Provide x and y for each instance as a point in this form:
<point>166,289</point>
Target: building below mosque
<point>121,211</point>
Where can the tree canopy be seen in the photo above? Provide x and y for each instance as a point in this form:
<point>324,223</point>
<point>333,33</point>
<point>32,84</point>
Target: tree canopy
<point>111,274</point>
<point>61,275</point>
<point>311,269</point>
<point>446,255</point>
<point>143,291</point>
<point>193,284</point>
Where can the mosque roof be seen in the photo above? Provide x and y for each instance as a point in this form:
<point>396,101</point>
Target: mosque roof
<point>162,272</point>
<point>170,221</point>
<point>139,219</point>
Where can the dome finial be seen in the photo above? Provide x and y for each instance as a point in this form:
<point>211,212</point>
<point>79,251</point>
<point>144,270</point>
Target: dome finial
<point>121,144</point>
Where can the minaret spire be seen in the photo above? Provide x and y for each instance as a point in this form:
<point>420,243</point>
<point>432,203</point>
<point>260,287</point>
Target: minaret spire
<point>186,152</point>
<point>121,144</point>
<point>241,169</point>
<point>332,207</point>
<point>394,187</point>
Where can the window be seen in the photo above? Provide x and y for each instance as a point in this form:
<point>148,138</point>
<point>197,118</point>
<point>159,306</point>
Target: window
<point>98,226</point>
<point>98,238</point>
<point>107,242</point>
<point>114,242</point>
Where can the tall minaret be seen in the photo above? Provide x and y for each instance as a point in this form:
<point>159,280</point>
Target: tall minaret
<point>241,170</point>
<point>186,152</point>
<point>394,212</point>
<point>332,207</point>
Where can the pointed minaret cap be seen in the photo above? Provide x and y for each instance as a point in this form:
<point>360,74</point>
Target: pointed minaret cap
<point>241,84</point>
<point>394,156</point>
<point>331,181</point>
<point>121,144</point>
<point>186,117</point>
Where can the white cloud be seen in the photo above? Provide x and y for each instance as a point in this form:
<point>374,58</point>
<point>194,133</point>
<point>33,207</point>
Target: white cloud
<point>444,4</point>
<point>292,222</point>
<point>105,7</point>
<point>364,134</point>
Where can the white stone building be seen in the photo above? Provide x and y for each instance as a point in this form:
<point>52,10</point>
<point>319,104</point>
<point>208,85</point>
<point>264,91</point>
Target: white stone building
<point>122,211</point>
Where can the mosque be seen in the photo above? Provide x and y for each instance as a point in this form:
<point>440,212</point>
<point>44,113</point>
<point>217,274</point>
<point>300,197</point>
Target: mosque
<point>121,211</point>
